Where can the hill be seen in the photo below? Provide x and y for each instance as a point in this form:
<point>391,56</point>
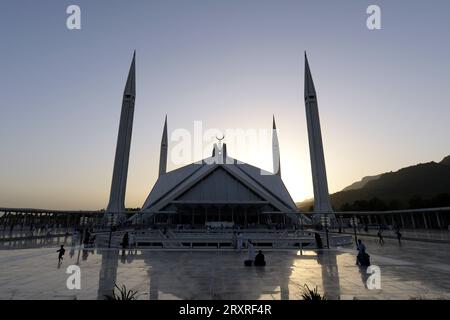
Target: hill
<point>421,185</point>
<point>361,183</point>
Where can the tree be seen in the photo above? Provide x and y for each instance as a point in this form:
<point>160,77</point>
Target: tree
<point>394,205</point>
<point>416,202</point>
<point>440,200</point>
<point>346,207</point>
<point>376,204</point>
<point>360,205</point>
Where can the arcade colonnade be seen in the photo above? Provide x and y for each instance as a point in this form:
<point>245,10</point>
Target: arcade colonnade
<point>430,218</point>
<point>15,219</point>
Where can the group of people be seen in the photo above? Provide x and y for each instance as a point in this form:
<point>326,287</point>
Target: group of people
<point>258,260</point>
<point>128,240</point>
<point>397,233</point>
<point>363,259</point>
<point>252,259</point>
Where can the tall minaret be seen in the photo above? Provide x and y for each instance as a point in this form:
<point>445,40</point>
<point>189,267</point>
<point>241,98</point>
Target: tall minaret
<point>321,197</point>
<point>163,152</point>
<point>119,180</point>
<point>275,150</point>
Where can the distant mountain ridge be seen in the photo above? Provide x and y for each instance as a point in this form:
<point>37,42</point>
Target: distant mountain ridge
<point>408,187</point>
<point>446,161</point>
<point>361,183</point>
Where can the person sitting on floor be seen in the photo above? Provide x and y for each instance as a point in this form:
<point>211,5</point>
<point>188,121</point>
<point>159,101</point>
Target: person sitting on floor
<point>259,259</point>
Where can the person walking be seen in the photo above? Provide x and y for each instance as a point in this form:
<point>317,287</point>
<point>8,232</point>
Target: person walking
<point>380,237</point>
<point>361,247</point>
<point>399,237</point>
<point>318,239</point>
<point>125,241</point>
<point>132,240</point>
<point>61,252</point>
<point>239,241</point>
<point>362,258</point>
<point>234,240</point>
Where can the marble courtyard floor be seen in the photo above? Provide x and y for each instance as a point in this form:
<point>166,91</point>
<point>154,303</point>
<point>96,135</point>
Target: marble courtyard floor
<point>416,270</point>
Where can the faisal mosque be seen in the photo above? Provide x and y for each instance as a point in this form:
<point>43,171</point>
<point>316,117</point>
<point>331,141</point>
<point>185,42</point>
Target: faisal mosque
<point>219,190</point>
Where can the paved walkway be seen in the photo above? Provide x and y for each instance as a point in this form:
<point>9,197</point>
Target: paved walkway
<point>414,270</point>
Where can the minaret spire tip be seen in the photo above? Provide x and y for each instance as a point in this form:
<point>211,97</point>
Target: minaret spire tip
<point>163,151</point>
<point>310,91</point>
<point>275,149</point>
<point>130,87</point>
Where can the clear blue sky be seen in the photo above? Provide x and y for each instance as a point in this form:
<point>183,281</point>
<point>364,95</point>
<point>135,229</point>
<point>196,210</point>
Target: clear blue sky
<point>383,95</point>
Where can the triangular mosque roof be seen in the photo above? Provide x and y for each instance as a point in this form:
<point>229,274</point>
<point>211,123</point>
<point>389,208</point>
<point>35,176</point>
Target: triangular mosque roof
<point>268,186</point>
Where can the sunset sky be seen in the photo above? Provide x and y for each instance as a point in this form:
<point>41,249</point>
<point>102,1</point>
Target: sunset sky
<point>383,94</point>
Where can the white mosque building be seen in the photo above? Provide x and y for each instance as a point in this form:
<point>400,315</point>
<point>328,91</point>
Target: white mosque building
<point>219,190</point>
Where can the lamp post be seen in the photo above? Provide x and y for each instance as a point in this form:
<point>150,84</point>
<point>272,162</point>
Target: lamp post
<point>354,223</point>
<point>83,222</point>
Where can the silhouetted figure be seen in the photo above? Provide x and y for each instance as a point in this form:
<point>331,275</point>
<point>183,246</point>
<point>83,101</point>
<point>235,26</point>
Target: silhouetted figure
<point>239,241</point>
<point>251,250</point>
<point>380,237</point>
<point>363,259</point>
<point>399,237</point>
<point>61,252</point>
<point>361,247</point>
<point>251,254</point>
<point>87,237</point>
<point>92,242</point>
<point>318,240</point>
<point>72,251</point>
<point>125,241</point>
<point>85,255</point>
<point>259,259</point>
<point>132,240</point>
<point>366,228</point>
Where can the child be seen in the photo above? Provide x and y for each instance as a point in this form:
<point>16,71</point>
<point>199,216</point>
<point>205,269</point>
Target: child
<point>61,253</point>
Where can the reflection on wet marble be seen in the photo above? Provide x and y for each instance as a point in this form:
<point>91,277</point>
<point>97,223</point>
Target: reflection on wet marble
<point>414,270</point>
